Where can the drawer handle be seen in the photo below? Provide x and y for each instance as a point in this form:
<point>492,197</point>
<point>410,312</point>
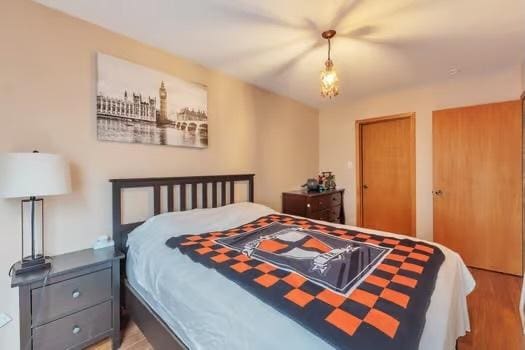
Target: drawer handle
<point>75,294</point>
<point>76,329</point>
<point>308,205</point>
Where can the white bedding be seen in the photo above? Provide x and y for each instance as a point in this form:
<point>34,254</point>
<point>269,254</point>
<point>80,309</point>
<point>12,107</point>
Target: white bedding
<point>208,311</point>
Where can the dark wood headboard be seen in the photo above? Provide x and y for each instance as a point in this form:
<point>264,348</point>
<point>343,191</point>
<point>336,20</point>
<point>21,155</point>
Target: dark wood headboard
<point>121,230</point>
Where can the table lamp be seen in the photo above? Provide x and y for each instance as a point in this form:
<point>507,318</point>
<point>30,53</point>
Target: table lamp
<point>31,176</point>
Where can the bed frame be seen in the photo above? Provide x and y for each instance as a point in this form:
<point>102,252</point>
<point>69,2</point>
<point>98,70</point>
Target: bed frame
<point>150,323</point>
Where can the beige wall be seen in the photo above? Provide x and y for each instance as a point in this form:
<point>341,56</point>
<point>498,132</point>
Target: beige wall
<point>337,134</point>
<point>47,101</point>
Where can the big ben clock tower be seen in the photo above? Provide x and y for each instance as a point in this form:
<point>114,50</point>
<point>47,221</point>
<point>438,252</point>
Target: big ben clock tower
<point>163,116</point>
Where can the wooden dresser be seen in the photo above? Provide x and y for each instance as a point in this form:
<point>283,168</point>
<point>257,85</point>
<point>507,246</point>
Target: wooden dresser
<point>325,206</point>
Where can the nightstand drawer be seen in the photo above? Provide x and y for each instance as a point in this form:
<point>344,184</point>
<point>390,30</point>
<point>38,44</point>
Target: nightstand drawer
<point>71,295</point>
<point>74,329</point>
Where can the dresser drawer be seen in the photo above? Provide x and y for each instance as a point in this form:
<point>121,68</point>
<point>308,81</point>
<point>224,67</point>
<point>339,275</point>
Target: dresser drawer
<point>335,214</point>
<point>74,329</point>
<point>71,295</point>
<point>323,215</point>
<point>319,203</point>
<point>335,199</point>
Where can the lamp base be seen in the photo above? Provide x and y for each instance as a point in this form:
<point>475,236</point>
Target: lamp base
<point>30,264</point>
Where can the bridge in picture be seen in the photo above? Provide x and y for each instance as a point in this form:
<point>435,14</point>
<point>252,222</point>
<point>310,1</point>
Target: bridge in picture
<point>193,126</point>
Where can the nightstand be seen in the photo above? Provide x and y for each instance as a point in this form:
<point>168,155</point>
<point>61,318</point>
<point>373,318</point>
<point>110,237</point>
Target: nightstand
<point>74,304</point>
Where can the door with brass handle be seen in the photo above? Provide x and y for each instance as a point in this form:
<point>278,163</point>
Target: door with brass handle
<point>477,183</point>
<point>385,173</point>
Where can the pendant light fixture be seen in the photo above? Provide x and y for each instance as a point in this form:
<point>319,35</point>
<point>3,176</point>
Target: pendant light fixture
<point>329,80</point>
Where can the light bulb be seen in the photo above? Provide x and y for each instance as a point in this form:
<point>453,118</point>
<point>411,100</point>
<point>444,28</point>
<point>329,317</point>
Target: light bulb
<point>329,80</point>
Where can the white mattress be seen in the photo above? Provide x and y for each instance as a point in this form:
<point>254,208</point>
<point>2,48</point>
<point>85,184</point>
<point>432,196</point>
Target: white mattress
<point>208,311</point>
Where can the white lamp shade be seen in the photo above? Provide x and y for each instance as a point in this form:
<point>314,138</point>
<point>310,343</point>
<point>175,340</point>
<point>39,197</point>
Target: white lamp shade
<point>33,174</point>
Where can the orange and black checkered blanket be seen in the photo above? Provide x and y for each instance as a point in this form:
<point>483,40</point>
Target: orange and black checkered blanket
<point>354,290</point>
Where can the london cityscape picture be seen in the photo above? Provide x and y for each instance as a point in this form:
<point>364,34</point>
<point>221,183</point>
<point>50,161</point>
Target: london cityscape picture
<point>137,104</point>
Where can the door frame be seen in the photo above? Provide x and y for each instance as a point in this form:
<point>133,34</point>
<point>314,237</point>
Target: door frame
<point>359,165</point>
<point>522,98</point>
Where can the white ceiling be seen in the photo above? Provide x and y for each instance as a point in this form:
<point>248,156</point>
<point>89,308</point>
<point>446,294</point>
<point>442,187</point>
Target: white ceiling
<point>276,44</point>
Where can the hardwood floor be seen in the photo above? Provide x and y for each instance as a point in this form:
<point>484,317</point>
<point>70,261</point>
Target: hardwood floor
<point>132,339</point>
<point>494,316</point>
<point>493,307</point>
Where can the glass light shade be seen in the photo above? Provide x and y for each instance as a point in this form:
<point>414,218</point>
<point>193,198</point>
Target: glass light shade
<point>329,80</point>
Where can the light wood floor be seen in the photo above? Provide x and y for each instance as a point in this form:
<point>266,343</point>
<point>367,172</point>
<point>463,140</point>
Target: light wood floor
<point>494,316</point>
<point>132,339</point>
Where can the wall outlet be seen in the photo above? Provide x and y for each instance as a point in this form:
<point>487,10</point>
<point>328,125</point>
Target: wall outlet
<point>4,319</point>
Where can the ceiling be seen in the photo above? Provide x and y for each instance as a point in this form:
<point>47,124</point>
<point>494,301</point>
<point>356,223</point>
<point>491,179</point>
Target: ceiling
<point>276,44</point>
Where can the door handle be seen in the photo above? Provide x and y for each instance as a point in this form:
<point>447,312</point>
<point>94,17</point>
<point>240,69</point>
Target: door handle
<point>437,193</point>
<point>365,186</point>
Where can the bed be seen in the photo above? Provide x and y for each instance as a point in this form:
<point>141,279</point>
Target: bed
<point>180,304</point>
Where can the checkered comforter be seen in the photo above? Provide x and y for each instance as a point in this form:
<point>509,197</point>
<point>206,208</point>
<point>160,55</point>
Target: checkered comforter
<point>354,290</point>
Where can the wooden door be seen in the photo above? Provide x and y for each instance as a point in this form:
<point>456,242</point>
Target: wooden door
<point>386,180</point>
<point>477,184</point>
